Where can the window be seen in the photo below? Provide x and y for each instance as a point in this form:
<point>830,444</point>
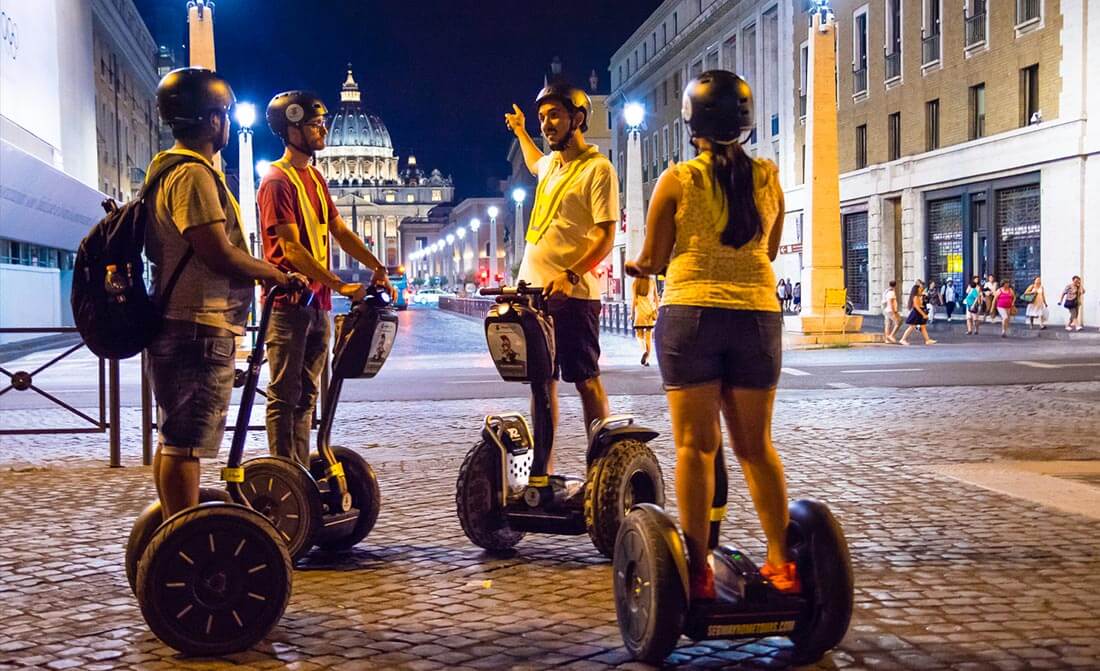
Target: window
<point>712,60</point>
<point>895,136</point>
<point>645,162</point>
<point>645,52</point>
<point>729,54</point>
<point>1029,95</point>
<point>676,141</point>
<point>620,74</point>
<point>975,23</point>
<point>664,34</point>
<point>859,51</point>
<point>664,92</point>
<point>803,76</point>
<point>675,23</point>
<point>437,195</point>
<point>410,198</point>
<point>931,32</point>
<point>620,169</point>
<point>932,125</point>
<point>1027,11</point>
<point>861,146</point>
<point>653,155</point>
<point>665,147</point>
<point>893,39</point>
<point>676,85</point>
<point>977,111</point>
<point>391,197</point>
<point>697,68</point>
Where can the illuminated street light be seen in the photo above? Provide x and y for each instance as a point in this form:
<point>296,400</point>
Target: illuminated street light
<point>634,115</point>
<point>245,114</point>
<point>475,224</point>
<point>450,239</point>
<point>262,168</point>
<point>518,195</point>
<point>493,211</point>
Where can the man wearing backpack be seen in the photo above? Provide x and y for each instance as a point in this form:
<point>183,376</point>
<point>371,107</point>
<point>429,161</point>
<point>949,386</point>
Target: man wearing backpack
<point>298,219</point>
<point>196,236</point>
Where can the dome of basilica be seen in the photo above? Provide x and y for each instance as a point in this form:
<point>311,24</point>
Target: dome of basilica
<point>354,126</point>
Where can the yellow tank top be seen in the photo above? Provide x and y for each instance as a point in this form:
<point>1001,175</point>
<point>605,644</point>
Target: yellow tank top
<point>704,272</point>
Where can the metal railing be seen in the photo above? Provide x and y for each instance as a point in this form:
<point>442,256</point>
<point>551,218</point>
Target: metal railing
<point>108,401</point>
<point>893,66</point>
<point>859,81</point>
<point>930,48</point>
<point>614,316</point>
<point>1026,10</point>
<point>975,24</point>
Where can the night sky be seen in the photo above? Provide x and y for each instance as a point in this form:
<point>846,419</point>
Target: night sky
<point>440,73</point>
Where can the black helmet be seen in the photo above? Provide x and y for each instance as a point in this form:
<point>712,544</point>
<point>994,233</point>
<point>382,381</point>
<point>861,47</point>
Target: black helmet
<point>185,96</point>
<point>571,97</point>
<point>718,106</point>
<point>293,108</point>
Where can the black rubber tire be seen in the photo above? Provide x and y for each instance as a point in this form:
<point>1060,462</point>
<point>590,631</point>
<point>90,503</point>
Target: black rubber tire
<point>627,473</point>
<point>214,580</point>
<point>146,525</point>
<point>650,602</point>
<point>820,550</point>
<point>365,495</point>
<point>284,493</point>
<point>477,500</point>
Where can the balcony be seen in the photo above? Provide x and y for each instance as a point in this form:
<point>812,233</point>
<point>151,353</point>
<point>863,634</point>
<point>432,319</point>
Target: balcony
<point>859,81</point>
<point>930,49</point>
<point>975,25</point>
<point>893,66</point>
<point>1026,11</point>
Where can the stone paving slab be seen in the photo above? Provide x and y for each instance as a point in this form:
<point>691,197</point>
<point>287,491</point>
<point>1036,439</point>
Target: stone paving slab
<point>947,575</point>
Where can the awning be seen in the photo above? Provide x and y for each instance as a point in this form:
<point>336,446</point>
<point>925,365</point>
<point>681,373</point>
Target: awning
<point>41,205</point>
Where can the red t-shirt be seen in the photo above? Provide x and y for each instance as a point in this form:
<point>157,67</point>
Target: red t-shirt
<point>278,201</point>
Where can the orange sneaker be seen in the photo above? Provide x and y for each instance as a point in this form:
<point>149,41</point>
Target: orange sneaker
<point>701,583</point>
<point>783,578</point>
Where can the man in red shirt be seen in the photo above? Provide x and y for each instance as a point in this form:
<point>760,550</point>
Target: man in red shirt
<point>297,220</point>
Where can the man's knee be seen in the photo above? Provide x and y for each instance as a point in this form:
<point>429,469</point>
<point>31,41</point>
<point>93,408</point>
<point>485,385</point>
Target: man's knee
<point>592,387</point>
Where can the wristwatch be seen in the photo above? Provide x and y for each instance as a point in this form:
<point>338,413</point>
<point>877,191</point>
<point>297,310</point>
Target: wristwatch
<point>573,277</point>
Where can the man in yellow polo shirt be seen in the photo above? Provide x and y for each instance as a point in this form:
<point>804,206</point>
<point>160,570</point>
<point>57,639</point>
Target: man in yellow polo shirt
<point>572,229</point>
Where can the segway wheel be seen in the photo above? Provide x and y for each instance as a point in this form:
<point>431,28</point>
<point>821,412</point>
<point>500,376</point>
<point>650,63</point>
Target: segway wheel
<point>626,474</point>
<point>817,543</point>
<point>366,497</point>
<point>284,493</point>
<point>477,498</point>
<point>649,593</point>
<point>214,580</point>
<point>146,525</point>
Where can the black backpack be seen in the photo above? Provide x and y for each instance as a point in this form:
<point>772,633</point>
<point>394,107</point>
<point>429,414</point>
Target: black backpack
<point>120,324</point>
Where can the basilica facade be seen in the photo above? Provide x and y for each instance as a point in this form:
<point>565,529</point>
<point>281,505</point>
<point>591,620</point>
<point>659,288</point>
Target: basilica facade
<point>390,207</point>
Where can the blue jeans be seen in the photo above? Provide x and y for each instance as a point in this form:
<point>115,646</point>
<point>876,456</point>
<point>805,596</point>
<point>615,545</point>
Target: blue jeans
<point>192,373</point>
<point>296,340</point>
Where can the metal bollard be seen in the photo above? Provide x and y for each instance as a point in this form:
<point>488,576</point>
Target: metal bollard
<point>146,414</point>
<point>115,415</point>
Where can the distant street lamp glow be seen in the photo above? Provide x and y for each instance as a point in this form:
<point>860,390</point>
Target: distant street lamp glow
<point>461,233</point>
<point>475,224</point>
<point>262,167</point>
<point>519,194</point>
<point>245,113</point>
<point>450,239</point>
<point>493,211</point>
<point>634,114</point>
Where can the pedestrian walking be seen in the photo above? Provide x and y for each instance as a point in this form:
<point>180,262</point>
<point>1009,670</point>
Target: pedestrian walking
<point>789,294</point>
<point>973,303</point>
<point>918,315</point>
<point>1005,300</point>
<point>1036,298</point>
<point>781,294</point>
<point>949,297</point>
<point>988,291</point>
<point>644,308</point>
<point>719,333</point>
<point>891,317</point>
<point>1072,300</point>
<point>796,299</point>
<point>934,301</point>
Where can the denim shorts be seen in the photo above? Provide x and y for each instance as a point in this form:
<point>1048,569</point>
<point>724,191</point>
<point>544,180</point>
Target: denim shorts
<point>742,349</point>
<point>576,338</point>
<point>192,369</point>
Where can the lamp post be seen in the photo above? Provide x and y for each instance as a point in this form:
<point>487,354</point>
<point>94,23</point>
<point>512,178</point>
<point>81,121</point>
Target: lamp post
<point>475,224</point>
<point>634,116</point>
<point>519,194</point>
<point>245,114</point>
<point>493,212</point>
<point>460,232</point>
<point>451,256</point>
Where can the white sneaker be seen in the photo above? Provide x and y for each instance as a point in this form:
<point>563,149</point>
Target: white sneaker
<point>930,342</point>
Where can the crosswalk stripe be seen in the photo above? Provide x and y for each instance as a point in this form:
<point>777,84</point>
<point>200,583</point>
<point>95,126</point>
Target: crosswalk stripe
<point>840,385</point>
<point>794,371</point>
<point>883,370</point>
<point>1039,364</point>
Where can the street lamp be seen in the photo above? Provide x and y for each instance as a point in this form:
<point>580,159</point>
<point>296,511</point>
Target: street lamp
<point>519,194</point>
<point>493,212</point>
<point>634,115</point>
<point>263,166</point>
<point>245,114</point>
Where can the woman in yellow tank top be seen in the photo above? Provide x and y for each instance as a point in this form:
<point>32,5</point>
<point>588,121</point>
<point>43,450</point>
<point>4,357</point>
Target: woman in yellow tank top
<point>719,219</point>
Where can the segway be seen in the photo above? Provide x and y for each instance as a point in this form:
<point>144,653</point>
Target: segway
<point>652,596</point>
<point>503,491</point>
<point>335,503</point>
<point>214,579</point>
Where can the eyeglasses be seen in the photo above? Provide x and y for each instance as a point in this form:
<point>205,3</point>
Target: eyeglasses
<point>316,125</point>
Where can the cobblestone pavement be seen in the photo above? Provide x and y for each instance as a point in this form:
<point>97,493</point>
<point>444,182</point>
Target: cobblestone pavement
<point>948,575</point>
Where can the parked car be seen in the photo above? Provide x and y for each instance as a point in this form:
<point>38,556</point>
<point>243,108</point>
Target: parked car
<point>430,296</point>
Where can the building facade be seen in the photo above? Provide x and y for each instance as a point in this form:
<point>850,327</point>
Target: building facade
<point>465,255</point>
<point>374,195</point>
<point>964,142</point>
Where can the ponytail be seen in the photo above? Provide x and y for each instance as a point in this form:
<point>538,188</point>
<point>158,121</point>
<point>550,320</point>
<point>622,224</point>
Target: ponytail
<point>733,170</point>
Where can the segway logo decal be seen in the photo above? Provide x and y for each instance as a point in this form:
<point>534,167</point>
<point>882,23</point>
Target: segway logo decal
<point>380,346</point>
<point>508,348</point>
<point>751,629</point>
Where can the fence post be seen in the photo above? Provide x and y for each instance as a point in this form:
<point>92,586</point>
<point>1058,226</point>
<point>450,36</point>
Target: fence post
<point>146,414</point>
<point>115,414</point>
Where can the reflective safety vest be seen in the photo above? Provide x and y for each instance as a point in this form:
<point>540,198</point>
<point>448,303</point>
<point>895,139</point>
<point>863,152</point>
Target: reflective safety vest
<point>316,226</point>
<point>548,200</point>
